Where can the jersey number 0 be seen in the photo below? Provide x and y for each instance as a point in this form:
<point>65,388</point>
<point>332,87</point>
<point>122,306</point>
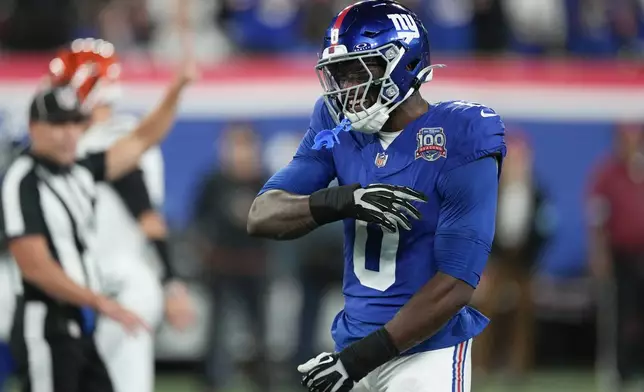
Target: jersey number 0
<point>374,256</point>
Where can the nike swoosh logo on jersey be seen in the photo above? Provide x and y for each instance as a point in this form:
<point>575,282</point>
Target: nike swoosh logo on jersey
<point>485,114</point>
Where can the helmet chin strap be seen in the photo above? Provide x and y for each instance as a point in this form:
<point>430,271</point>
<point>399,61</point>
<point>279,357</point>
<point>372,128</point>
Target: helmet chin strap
<point>373,122</point>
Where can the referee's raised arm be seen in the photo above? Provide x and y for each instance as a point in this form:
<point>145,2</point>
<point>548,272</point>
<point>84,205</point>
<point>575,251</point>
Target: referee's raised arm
<point>124,155</point>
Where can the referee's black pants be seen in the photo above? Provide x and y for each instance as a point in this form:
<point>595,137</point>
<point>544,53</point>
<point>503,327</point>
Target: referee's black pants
<point>52,353</point>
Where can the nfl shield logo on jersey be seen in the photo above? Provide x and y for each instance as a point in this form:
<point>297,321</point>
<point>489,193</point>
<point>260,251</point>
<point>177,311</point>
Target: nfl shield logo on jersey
<point>431,144</point>
<point>381,159</point>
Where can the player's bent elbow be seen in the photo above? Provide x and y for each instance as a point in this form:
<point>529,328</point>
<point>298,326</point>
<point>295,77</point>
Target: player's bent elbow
<point>279,215</point>
<point>253,227</point>
<point>462,294</point>
<point>456,289</point>
<point>256,224</point>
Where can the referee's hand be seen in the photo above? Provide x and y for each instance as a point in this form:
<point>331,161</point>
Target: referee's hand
<point>112,309</point>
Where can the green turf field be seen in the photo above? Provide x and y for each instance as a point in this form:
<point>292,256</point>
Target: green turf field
<point>540,382</point>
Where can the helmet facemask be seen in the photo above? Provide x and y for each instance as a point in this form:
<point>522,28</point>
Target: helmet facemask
<point>358,86</point>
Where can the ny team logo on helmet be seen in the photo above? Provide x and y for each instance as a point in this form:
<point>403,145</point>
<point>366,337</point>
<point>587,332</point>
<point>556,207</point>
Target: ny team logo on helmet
<point>386,48</point>
<point>405,26</point>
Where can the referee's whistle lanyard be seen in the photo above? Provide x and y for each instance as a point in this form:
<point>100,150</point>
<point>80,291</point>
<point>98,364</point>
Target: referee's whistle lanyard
<point>74,189</point>
<point>88,314</point>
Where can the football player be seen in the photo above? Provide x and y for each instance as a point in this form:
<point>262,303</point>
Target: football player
<point>417,195</point>
<point>128,221</point>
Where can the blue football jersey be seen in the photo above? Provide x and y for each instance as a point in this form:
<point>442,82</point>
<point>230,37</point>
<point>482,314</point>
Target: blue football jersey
<point>384,270</point>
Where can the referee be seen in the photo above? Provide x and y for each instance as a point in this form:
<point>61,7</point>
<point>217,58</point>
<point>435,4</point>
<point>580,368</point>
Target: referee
<point>47,203</point>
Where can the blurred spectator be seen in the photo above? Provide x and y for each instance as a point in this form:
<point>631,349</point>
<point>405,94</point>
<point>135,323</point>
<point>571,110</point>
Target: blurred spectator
<point>171,16</point>
<point>626,17</point>
<point>524,224</point>
<point>490,27</point>
<point>89,17</point>
<point>605,27</point>
<point>316,17</point>
<point>538,26</point>
<point>616,220</point>
<point>126,24</point>
<point>319,269</point>
<point>598,28</point>
<point>589,31</point>
<point>56,23</point>
<point>263,26</point>
<point>235,263</point>
<point>315,260</point>
<point>448,22</point>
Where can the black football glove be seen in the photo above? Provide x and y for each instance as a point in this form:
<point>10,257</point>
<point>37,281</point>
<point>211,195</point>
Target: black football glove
<point>386,205</point>
<point>325,373</point>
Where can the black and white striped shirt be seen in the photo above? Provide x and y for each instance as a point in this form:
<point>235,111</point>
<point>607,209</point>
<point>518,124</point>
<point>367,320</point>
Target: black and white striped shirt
<point>40,197</point>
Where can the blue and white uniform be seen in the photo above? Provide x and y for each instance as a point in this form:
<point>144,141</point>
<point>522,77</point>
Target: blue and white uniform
<point>452,154</point>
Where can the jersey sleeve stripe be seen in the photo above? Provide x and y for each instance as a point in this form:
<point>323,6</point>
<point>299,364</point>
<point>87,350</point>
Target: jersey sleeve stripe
<point>12,203</point>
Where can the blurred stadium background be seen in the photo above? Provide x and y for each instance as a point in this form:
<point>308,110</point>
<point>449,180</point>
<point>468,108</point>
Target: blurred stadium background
<point>563,73</point>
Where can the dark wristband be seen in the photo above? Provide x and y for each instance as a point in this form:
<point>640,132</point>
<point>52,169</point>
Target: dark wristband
<point>164,254</point>
<point>332,204</point>
<point>367,354</point>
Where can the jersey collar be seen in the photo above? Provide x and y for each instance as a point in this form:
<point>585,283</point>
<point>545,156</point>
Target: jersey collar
<point>49,164</point>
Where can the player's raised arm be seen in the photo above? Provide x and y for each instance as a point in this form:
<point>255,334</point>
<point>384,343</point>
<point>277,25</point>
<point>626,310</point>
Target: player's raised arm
<point>124,155</point>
